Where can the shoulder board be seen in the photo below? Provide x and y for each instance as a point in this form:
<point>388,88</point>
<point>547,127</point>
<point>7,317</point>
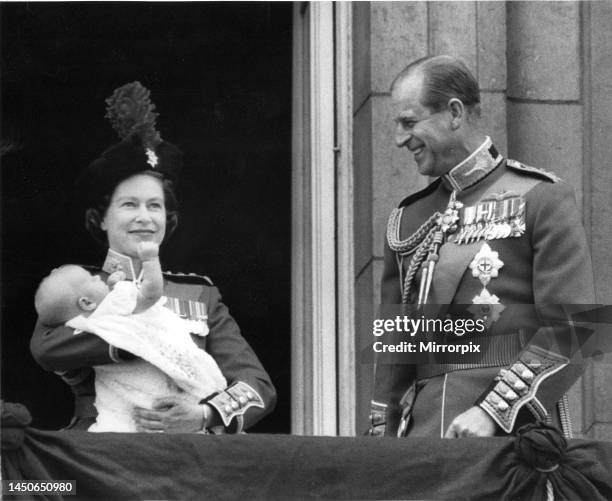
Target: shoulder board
<point>187,278</point>
<point>420,194</point>
<point>528,169</point>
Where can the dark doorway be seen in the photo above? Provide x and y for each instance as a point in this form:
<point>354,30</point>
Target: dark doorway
<point>220,75</point>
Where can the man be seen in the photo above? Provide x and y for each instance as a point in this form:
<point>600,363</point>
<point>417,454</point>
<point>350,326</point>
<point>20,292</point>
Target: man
<point>491,234</point>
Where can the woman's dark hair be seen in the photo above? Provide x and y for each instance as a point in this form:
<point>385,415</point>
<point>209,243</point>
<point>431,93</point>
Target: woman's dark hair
<point>94,215</point>
<point>444,78</point>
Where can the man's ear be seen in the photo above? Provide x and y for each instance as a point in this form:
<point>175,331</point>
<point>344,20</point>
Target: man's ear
<point>86,304</point>
<point>457,111</point>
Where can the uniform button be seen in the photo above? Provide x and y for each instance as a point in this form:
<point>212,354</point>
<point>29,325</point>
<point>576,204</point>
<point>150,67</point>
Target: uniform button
<point>242,400</point>
<point>235,405</point>
<point>519,385</point>
<point>227,409</point>
<point>250,395</point>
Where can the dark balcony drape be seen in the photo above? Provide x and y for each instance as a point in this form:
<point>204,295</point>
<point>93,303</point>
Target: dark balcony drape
<point>536,465</point>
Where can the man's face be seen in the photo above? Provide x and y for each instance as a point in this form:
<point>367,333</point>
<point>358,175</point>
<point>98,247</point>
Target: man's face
<point>427,134</point>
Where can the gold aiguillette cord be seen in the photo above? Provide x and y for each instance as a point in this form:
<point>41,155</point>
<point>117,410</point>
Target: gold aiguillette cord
<point>446,223</point>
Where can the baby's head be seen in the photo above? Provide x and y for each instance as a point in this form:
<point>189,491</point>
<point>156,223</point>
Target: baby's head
<point>66,292</point>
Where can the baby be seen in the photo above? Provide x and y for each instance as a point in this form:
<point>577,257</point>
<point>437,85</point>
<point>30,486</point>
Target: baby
<point>131,317</point>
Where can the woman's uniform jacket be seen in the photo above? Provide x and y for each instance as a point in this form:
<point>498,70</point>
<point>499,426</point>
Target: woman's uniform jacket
<point>249,396</point>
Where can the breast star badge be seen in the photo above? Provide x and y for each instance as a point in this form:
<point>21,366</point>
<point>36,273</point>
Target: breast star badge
<point>486,264</point>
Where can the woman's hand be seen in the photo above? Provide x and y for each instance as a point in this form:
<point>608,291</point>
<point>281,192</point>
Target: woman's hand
<point>171,414</point>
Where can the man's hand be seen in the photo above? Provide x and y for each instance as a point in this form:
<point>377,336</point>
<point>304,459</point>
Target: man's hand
<point>472,423</point>
<point>170,414</point>
<point>147,250</point>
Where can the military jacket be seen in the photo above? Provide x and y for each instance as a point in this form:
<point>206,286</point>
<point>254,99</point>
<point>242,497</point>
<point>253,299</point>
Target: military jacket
<point>524,221</point>
<point>250,394</point>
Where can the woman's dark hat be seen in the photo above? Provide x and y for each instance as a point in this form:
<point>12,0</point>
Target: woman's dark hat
<point>132,115</point>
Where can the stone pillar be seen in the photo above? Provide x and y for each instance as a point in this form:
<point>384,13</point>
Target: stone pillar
<point>597,85</point>
<point>560,118</point>
<point>545,125</point>
<point>544,87</point>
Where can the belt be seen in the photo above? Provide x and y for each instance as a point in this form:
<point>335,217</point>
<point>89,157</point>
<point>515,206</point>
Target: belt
<point>502,350</point>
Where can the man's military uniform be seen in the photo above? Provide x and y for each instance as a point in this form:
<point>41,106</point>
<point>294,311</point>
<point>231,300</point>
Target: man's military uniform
<point>250,394</point>
<point>493,235</point>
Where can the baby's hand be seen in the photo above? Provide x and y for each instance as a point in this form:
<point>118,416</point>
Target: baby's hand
<point>115,277</point>
<point>147,250</point>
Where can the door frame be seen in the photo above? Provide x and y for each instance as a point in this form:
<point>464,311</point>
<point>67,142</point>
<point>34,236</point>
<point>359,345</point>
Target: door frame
<point>322,300</point>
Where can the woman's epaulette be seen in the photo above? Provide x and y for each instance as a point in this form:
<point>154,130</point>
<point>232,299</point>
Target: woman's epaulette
<point>528,169</point>
<point>187,278</point>
<point>420,194</point>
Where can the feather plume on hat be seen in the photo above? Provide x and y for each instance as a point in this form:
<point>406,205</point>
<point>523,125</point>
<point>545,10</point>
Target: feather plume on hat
<point>141,149</point>
<point>130,111</point>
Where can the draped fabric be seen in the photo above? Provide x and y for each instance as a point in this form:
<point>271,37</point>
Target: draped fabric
<point>184,467</point>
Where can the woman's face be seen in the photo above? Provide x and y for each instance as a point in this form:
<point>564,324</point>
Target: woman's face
<point>136,213</point>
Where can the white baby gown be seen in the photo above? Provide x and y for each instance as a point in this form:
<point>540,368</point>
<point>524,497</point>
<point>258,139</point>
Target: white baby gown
<point>169,362</point>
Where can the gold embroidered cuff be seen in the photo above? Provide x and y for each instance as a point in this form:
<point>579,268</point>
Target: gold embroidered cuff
<point>378,419</point>
<point>234,402</point>
<point>517,387</point>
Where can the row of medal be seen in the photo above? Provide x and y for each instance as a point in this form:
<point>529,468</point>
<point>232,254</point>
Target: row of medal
<point>490,220</point>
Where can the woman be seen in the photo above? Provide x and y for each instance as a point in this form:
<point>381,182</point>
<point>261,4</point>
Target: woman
<point>130,197</point>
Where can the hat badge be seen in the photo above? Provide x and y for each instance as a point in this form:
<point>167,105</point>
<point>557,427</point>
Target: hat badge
<point>152,158</point>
